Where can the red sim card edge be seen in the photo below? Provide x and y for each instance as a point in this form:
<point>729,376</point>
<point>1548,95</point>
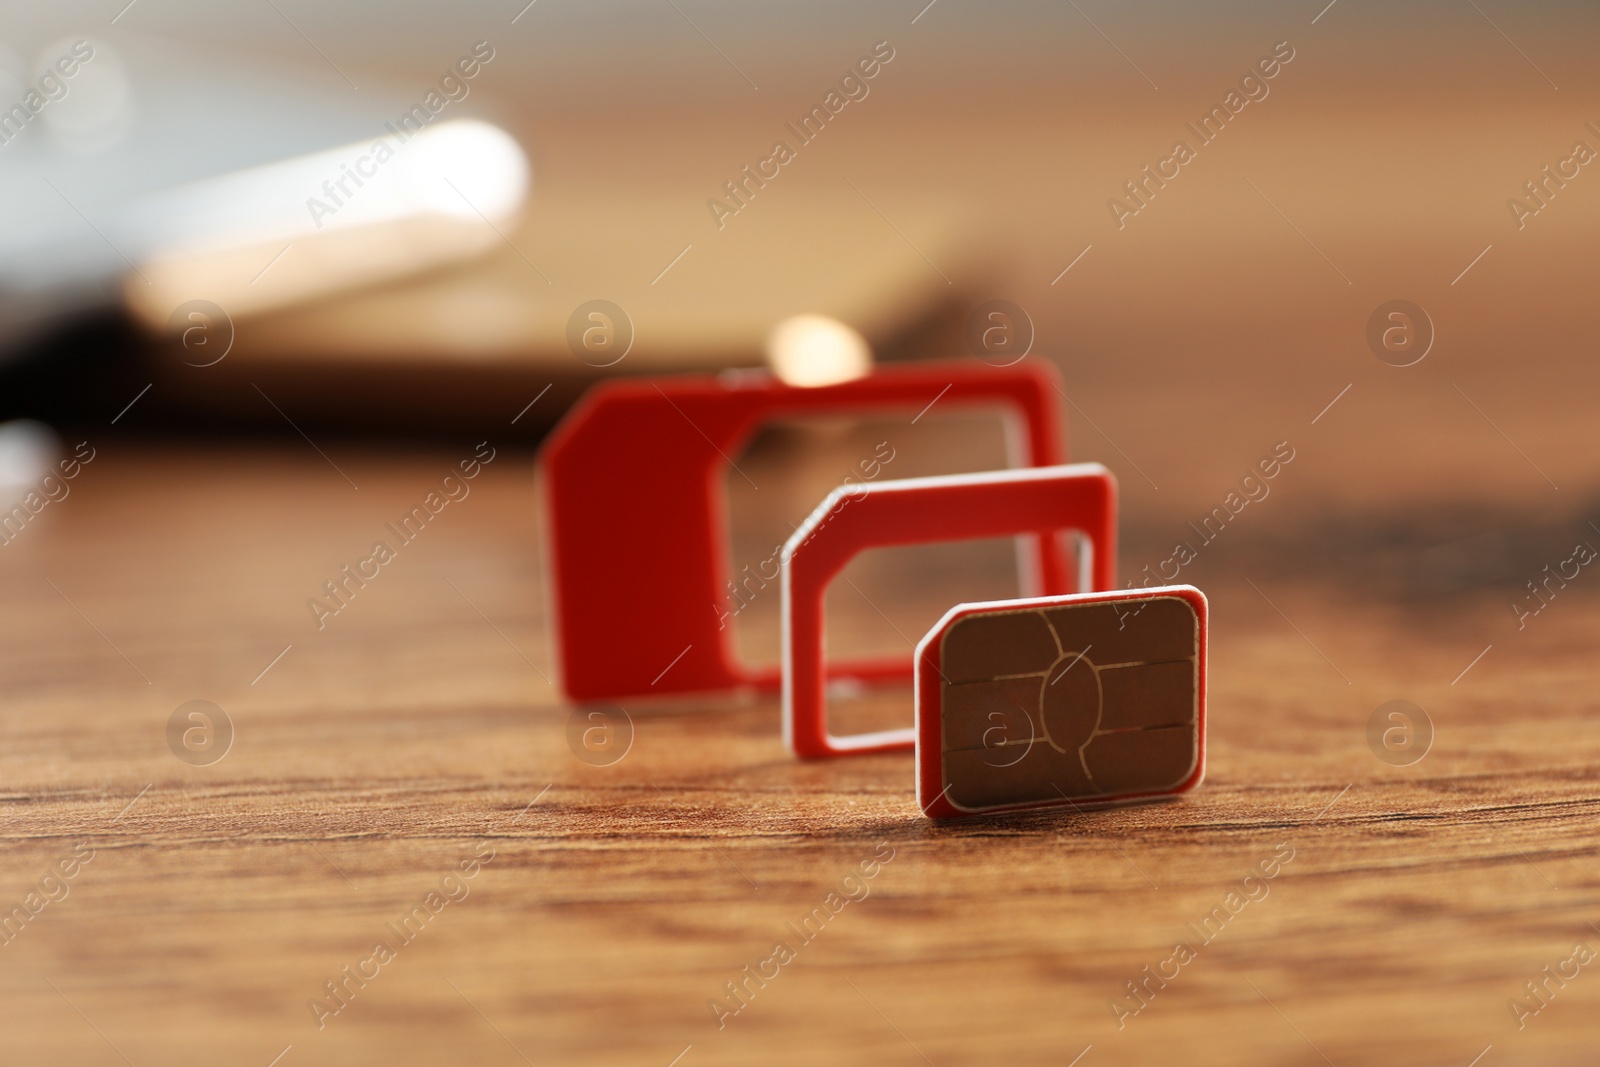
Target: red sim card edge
<point>636,518</point>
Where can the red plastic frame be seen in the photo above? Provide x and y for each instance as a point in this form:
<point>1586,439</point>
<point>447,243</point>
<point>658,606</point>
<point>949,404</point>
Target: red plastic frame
<point>928,706</point>
<point>634,500</point>
<point>963,507</point>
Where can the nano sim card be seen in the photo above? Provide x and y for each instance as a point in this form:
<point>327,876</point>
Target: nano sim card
<point>1067,700</point>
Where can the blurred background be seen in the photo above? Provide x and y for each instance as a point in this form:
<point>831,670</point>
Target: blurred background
<point>173,230</point>
<point>176,203</point>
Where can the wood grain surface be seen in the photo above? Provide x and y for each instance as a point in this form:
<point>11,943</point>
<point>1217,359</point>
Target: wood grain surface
<point>609,907</point>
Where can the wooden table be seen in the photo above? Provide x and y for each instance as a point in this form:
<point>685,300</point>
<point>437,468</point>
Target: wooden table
<point>418,729</point>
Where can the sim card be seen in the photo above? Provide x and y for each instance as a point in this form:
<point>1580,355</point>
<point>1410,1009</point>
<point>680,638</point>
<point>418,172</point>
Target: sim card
<point>1084,699</point>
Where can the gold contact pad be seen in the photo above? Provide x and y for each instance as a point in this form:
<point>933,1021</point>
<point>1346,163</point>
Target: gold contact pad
<point>1079,702</point>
